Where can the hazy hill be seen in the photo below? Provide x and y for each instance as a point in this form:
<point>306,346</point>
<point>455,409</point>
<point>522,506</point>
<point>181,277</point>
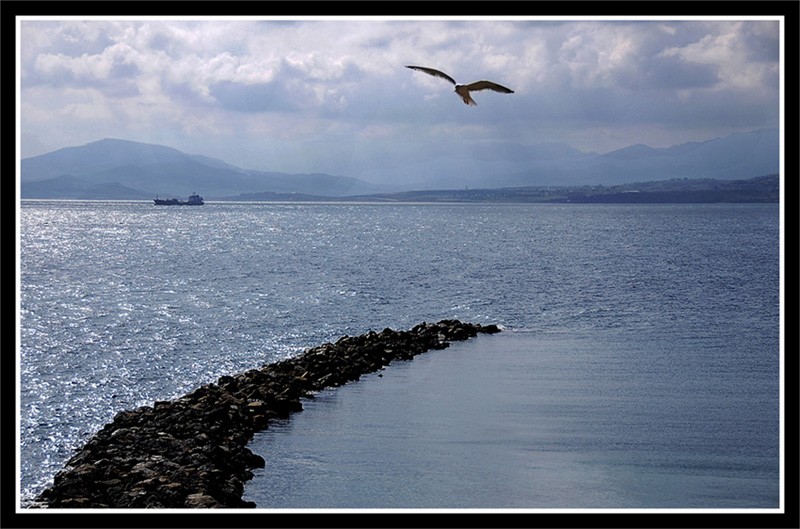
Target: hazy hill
<point>508,164</point>
<point>738,156</point>
<point>140,169</point>
<point>131,170</point>
<point>69,187</point>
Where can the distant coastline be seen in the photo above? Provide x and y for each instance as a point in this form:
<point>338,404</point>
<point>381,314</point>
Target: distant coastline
<point>680,190</point>
<point>762,189</point>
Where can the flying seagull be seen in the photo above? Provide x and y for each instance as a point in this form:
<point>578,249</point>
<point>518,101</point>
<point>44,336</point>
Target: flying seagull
<point>464,89</point>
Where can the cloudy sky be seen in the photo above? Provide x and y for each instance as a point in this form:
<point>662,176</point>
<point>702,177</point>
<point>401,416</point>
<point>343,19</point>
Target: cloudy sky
<point>332,95</point>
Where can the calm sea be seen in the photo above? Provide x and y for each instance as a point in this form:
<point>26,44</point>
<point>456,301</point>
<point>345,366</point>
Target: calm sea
<point>639,366</point>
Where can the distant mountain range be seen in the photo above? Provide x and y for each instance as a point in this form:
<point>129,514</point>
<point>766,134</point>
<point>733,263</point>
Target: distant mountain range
<point>504,164</point>
<point>127,170</point>
<point>120,169</point>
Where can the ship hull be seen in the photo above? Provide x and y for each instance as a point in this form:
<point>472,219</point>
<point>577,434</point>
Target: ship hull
<point>194,200</point>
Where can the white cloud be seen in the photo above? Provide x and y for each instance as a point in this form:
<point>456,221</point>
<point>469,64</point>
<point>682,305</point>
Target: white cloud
<point>202,83</point>
<point>729,51</point>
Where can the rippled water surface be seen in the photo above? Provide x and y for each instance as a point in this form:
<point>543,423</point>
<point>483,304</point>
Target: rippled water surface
<point>525,420</point>
<point>644,339</point>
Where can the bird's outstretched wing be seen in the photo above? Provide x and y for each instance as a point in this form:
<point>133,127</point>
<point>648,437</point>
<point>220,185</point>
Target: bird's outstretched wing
<point>483,85</point>
<point>431,71</point>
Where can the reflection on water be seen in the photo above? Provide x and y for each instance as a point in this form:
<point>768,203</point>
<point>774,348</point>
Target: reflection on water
<point>524,420</point>
<point>649,325</point>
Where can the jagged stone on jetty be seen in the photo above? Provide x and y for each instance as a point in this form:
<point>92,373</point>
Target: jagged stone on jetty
<point>192,452</point>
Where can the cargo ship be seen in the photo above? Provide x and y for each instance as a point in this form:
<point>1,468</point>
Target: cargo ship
<point>194,200</point>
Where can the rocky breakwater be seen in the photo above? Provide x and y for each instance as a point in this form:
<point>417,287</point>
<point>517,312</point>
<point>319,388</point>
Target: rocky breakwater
<point>192,452</point>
